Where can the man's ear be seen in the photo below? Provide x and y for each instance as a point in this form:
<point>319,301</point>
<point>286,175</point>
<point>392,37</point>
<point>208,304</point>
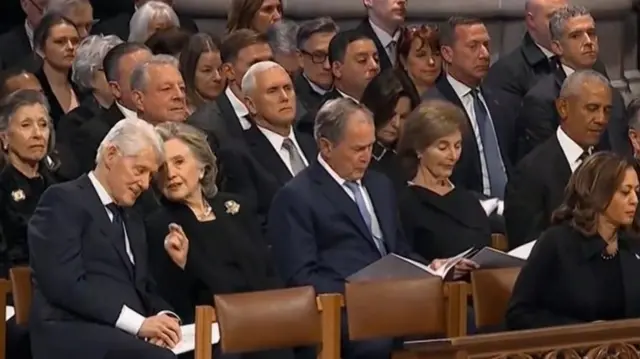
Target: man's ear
<point>336,69</point>
<point>446,52</point>
<point>115,90</point>
<point>138,100</point>
<point>556,48</point>
<point>109,155</point>
<point>251,105</point>
<point>228,72</point>
<point>562,106</point>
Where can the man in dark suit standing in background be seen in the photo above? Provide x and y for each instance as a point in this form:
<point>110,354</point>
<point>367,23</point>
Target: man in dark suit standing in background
<point>383,25</point>
<point>93,297</point>
<point>335,218</point>
<point>536,188</point>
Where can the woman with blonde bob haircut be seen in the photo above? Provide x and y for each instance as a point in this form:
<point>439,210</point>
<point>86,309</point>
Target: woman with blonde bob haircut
<point>202,242</point>
<point>584,267</point>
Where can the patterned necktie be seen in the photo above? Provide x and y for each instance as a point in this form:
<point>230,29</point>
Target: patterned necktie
<point>118,224</point>
<point>297,163</point>
<point>391,47</point>
<point>492,154</point>
<point>354,187</point>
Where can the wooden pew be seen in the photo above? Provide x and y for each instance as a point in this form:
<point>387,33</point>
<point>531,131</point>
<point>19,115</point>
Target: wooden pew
<point>600,340</point>
<point>491,290</point>
<point>273,319</point>
<point>5,289</point>
<point>499,241</point>
<point>22,292</point>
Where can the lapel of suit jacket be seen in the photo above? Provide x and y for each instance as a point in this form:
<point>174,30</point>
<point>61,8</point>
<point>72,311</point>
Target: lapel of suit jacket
<point>383,210</point>
<point>137,239</point>
<point>229,116</point>
<point>630,265</point>
<point>337,196</point>
<point>267,155</point>
<point>561,168</point>
<point>308,145</point>
<point>101,218</point>
<point>383,57</point>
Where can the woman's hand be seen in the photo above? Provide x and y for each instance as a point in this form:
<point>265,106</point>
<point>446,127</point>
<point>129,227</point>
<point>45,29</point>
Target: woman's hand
<point>177,245</point>
<point>464,267</point>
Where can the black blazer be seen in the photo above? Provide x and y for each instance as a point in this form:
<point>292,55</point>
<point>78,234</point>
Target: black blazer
<point>55,110</point>
<point>539,117</point>
<point>306,122</point>
<point>468,171</point>
<point>219,118</point>
<point>19,196</point>
<point>565,281</point>
<point>83,275</point>
<point>309,98</point>
<point>16,51</point>
<point>443,226</point>
<point>385,161</point>
<point>534,191</point>
<point>70,123</point>
<point>233,259</point>
<point>89,135</point>
<point>119,26</point>
<point>365,28</point>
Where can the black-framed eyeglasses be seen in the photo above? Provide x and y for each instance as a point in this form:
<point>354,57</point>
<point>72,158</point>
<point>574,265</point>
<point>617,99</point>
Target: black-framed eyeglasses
<point>316,57</point>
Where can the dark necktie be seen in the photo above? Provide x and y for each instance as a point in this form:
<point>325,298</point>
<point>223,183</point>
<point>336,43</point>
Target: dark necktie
<point>118,225</point>
<point>492,154</point>
<point>554,62</point>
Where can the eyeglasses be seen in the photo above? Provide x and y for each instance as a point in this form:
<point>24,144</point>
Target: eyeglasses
<point>316,57</point>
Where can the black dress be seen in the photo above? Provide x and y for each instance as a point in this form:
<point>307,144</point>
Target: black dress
<point>19,196</point>
<point>385,160</point>
<point>441,226</point>
<point>226,255</point>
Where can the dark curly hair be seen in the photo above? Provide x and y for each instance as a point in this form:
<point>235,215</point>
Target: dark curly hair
<point>590,191</point>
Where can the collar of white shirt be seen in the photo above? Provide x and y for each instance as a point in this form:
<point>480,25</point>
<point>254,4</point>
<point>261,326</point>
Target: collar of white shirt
<point>128,114</point>
<point>460,89</point>
<point>383,36</point>
<point>239,108</point>
<point>347,96</point>
<point>276,139</point>
<point>572,151</point>
<point>336,177</point>
<point>319,90</point>
<point>102,192</point>
<point>29,31</point>
<point>567,70</point>
<point>548,54</point>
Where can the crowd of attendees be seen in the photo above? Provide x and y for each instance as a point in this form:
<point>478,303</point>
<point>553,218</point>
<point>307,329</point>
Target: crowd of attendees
<point>147,166</point>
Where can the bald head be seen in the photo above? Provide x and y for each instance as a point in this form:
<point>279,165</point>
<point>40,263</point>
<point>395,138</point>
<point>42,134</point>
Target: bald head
<point>537,15</point>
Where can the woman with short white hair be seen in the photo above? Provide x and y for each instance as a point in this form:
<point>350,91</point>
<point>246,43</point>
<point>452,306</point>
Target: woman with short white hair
<point>149,18</point>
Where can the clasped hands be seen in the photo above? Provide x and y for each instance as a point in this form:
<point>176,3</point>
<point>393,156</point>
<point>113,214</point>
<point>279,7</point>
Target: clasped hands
<point>176,244</point>
<point>463,267</point>
<point>162,330</point>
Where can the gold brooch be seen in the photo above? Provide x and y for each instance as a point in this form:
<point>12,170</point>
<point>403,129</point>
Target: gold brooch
<point>18,195</point>
<point>232,207</point>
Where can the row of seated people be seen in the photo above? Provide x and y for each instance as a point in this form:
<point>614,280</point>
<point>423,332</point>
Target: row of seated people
<point>593,238</point>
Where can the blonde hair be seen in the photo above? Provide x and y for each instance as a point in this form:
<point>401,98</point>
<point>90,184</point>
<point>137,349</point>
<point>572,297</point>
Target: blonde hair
<point>196,140</point>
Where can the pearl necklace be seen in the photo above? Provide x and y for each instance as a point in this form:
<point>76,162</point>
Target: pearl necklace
<point>207,212</point>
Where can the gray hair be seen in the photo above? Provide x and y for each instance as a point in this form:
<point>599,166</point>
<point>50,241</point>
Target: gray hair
<point>281,37</point>
<point>89,57</point>
<point>333,117</point>
<point>19,99</point>
<point>139,24</point>
<point>319,25</point>
<point>196,141</point>
<point>64,7</point>
<point>139,75</point>
<point>633,113</point>
<point>573,83</point>
<point>559,18</point>
<point>249,79</point>
<point>131,136</point>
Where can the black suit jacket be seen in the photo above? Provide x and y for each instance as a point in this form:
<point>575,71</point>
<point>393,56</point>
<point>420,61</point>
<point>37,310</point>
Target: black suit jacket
<point>218,117</point>
<point>310,99</point>
<point>306,122</point>
<point>119,26</point>
<point>89,135</point>
<point>16,51</point>
<point>365,29</point>
<point>563,281</point>
<point>539,117</point>
<point>55,109</point>
<point>82,275</point>
<point>468,171</point>
<point>534,191</point>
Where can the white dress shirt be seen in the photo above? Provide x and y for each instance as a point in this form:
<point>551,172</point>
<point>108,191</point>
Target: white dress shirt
<point>347,96</point>
<point>464,94</point>
<point>128,114</point>
<point>276,141</point>
<point>129,320</point>
<point>375,225</point>
<point>29,31</point>
<point>239,108</point>
<point>386,40</point>
<point>572,151</point>
<point>317,89</point>
<point>548,54</point>
<point>567,70</point>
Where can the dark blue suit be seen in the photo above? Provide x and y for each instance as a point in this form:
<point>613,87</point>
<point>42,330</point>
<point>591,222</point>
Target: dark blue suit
<point>83,277</point>
<point>319,237</point>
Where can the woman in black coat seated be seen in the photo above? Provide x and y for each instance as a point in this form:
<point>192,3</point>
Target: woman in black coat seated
<point>201,242</point>
<point>26,134</point>
<point>390,103</point>
<point>440,219</point>
<point>585,267</point>
<point>55,40</point>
